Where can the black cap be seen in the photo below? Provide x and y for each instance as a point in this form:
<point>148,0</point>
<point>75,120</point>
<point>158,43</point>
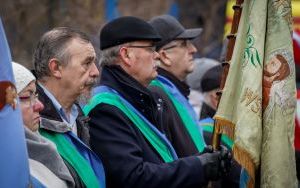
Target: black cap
<point>211,79</point>
<point>126,29</point>
<point>170,29</point>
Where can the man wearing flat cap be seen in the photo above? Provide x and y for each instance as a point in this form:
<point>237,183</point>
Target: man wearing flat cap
<point>124,116</point>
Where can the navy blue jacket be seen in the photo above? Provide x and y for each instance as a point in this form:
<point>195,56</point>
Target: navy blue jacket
<point>129,160</point>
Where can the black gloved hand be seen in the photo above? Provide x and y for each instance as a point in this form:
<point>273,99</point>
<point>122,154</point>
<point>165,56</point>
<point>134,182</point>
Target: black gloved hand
<point>211,164</point>
<point>226,160</point>
<point>207,149</point>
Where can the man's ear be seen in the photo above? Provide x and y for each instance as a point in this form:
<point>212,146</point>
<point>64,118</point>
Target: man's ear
<point>126,56</point>
<point>55,68</point>
<point>165,58</point>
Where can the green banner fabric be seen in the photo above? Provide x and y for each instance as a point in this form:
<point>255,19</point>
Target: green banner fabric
<point>257,107</point>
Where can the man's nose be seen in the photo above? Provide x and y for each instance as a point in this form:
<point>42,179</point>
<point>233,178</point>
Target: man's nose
<point>192,48</point>
<point>94,72</point>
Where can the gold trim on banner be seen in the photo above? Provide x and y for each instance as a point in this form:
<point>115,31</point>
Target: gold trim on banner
<point>223,126</point>
<point>244,159</point>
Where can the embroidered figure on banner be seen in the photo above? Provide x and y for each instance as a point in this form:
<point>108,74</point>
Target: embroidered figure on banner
<point>277,72</point>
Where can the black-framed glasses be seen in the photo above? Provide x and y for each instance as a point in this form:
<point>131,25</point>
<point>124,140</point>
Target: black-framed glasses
<point>182,44</point>
<point>149,48</point>
<point>29,99</point>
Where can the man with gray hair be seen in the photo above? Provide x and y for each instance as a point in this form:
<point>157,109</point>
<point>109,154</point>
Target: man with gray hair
<point>125,116</point>
<point>64,62</point>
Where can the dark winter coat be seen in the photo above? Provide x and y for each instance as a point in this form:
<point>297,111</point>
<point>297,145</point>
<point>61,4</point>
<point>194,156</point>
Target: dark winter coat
<point>129,160</point>
<point>173,125</point>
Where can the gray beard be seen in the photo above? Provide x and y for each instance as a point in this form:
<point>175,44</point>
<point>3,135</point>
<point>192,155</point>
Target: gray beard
<point>84,98</point>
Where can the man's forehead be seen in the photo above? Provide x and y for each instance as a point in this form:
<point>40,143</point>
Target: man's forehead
<point>79,47</point>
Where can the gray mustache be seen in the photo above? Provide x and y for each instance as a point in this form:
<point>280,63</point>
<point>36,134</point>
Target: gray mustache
<point>91,83</point>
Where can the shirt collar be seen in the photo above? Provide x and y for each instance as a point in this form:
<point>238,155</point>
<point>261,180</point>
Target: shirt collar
<point>70,121</point>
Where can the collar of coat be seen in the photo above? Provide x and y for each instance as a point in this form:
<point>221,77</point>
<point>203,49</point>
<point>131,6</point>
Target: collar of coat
<point>130,89</point>
<point>183,88</point>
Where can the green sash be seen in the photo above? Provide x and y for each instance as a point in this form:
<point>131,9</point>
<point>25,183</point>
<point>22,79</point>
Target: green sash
<point>185,117</point>
<point>150,135</point>
<point>73,157</point>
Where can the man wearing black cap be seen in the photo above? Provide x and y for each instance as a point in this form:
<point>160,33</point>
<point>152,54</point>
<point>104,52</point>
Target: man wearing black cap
<point>124,116</point>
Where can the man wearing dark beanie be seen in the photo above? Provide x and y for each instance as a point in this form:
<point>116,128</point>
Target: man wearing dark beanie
<point>125,116</point>
<point>210,84</point>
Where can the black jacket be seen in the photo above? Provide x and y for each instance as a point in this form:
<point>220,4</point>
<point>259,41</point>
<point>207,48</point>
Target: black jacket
<point>206,111</point>
<point>175,130</point>
<point>49,112</point>
<point>129,160</point>
<point>173,125</point>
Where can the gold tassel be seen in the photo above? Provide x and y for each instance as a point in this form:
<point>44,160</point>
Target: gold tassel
<point>244,159</point>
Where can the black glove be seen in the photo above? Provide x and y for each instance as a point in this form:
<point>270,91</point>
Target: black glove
<point>226,160</point>
<point>207,149</point>
<point>211,164</point>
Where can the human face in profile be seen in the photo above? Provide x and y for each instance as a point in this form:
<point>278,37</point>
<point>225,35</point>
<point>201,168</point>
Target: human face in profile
<point>179,54</point>
<point>80,73</point>
<point>143,58</point>
<point>30,106</point>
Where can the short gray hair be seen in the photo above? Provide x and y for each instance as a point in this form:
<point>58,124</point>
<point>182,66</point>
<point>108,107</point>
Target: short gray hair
<point>53,44</point>
<point>110,55</point>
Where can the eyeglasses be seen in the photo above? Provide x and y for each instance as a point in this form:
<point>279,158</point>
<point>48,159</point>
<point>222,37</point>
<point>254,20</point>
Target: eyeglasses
<point>182,44</point>
<point>29,100</point>
<point>149,48</point>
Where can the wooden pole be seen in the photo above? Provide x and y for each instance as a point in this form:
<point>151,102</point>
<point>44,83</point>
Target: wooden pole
<point>216,138</point>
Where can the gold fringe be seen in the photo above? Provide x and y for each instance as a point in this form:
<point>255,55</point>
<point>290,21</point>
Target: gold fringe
<point>223,126</point>
<point>244,159</point>
<point>251,183</point>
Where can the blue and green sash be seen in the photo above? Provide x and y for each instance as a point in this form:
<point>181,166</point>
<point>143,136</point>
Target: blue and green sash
<point>184,109</point>
<point>160,143</point>
<point>69,152</point>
